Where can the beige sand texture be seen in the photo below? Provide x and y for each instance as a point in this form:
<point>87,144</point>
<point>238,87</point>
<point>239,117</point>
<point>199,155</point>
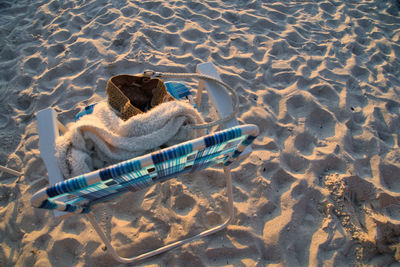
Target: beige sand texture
<point>320,78</point>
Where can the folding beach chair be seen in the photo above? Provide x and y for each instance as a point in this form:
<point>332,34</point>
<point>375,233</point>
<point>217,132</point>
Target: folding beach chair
<point>77,195</point>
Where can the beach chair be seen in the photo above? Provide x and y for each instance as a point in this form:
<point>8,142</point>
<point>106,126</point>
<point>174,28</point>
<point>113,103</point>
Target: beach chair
<point>77,195</point>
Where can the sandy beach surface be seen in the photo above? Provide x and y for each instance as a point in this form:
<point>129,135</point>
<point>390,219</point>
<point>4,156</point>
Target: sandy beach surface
<point>321,79</point>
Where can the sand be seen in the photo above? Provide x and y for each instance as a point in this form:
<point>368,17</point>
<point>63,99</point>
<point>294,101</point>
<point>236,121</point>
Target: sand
<point>320,79</point>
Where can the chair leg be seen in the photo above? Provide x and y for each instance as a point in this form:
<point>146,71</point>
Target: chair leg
<point>10,171</point>
<point>146,255</point>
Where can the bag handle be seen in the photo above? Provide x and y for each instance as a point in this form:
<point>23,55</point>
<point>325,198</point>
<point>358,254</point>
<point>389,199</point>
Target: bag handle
<point>235,98</point>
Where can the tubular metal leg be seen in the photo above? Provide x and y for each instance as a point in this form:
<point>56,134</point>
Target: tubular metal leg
<point>143,256</point>
<point>10,171</point>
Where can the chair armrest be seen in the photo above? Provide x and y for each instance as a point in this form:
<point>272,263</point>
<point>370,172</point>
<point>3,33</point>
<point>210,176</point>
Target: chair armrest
<point>48,128</point>
<point>220,98</point>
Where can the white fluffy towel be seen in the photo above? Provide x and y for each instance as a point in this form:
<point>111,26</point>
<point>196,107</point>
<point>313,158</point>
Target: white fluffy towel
<point>100,139</point>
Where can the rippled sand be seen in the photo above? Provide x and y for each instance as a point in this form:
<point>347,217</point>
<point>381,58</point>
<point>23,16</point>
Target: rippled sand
<point>320,79</point>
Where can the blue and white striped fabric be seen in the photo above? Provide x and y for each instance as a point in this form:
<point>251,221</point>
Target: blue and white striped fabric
<point>177,89</point>
<point>222,147</point>
<point>85,111</point>
<point>180,91</point>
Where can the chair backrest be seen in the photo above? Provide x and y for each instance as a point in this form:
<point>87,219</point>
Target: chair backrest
<point>78,194</point>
